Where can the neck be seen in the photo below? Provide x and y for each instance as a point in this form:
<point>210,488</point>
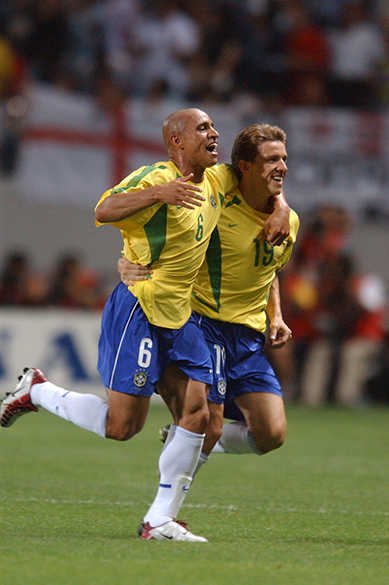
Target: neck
<point>186,168</point>
<point>262,202</point>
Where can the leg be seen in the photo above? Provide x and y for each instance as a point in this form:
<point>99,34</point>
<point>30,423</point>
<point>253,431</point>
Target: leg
<point>120,418</point>
<point>214,428</point>
<point>265,419</point>
<point>126,415</point>
<point>185,398</point>
<point>187,401</point>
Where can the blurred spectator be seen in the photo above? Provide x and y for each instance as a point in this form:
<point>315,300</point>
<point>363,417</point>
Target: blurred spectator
<point>168,38</point>
<point>322,240</point>
<point>326,12</point>
<point>8,67</point>
<point>212,67</point>
<point>376,389</point>
<point>382,73</point>
<point>307,58</point>
<point>73,286</point>
<point>337,316</point>
<point>262,65</point>
<point>14,112</point>
<point>13,105</point>
<point>50,38</point>
<point>19,284</point>
<point>103,35</point>
<point>349,320</point>
<point>200,51</point>
<point>357,47</point>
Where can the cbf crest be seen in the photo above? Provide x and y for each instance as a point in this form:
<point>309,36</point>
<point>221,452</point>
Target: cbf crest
<point>221,387</point>
<point>140,379</point>
<point>212,200</point>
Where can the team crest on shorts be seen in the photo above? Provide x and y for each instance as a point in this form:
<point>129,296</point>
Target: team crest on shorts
<point>140,379</point>
<point>213,202</point>
<point>221,387</point>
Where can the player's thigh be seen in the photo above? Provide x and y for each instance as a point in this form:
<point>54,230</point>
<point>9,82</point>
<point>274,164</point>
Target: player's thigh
<point>172,388</point>
<point>126,414</point>
<point>264,413</point>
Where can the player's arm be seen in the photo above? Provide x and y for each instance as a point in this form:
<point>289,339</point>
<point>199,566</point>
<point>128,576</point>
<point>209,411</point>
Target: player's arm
<point>131,273</point>
<point>118,206</point>
<point>279,331</point>
<point>277,226</point>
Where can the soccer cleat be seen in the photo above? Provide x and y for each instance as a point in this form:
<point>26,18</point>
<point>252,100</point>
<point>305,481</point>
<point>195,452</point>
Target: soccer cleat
<point>164,433</point>
<point>173,530</point>
<point>18,402</point>
<point>140,527</point>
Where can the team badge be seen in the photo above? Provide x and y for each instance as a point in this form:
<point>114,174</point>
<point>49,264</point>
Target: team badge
<point>213,202</point>
<point>221,387</point>
<point>140,379</point>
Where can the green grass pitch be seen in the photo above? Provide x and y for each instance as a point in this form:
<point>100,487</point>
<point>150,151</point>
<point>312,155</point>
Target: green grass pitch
<point>312,513</point>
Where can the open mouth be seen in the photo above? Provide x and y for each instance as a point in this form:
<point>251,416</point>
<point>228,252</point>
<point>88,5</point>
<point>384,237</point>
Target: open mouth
<point>212,148</point>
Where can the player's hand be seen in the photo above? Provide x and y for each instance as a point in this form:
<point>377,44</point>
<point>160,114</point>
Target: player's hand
<point>180,192</point>
<point>279,335</point>
<point>131,273</point>
<point>277,226</point>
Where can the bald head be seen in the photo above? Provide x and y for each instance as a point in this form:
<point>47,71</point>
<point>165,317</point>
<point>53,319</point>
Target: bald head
<point>178,124</point>
<point>191,141</point>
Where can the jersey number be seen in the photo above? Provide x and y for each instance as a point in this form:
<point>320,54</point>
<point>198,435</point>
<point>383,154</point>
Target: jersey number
<point>267,254</point>
<point>220,356</point>
<point>200,229</point>
<point>144,355</point>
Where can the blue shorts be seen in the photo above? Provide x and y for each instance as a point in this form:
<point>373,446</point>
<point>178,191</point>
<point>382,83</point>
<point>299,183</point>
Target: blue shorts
<point>239,362</point>
<point>133,354</point>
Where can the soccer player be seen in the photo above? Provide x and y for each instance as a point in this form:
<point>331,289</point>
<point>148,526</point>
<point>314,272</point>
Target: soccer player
<point>235,287</point>
<point>166,213</point>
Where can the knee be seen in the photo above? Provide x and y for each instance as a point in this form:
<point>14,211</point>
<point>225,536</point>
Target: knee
<point>122,432</point>
<point>196,420</point>
<point>270,439</point>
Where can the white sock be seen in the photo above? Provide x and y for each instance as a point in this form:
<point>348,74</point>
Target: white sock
<point>202,459</point>
<point>84,410</point>
<point>236,439</point>
<point>177,463</point>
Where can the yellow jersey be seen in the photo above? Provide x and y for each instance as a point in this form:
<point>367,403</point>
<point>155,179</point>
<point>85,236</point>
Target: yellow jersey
<point>234,282</point>
<point>171,239</point>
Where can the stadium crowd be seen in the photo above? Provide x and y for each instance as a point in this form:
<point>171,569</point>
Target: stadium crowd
<point>298,52</point>
<point>70,284</point>
<point>337,314</point>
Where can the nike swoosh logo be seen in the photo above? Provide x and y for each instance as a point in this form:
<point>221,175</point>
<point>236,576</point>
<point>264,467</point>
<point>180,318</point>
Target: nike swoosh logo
<point>167,537</point>
<point>232,224</point>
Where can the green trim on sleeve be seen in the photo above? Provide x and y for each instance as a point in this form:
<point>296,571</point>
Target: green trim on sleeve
<point>155,230</point>
<point>137,178</point>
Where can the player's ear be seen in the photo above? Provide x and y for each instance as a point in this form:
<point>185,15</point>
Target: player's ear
<point>175,140</point>
<point>244,167</point>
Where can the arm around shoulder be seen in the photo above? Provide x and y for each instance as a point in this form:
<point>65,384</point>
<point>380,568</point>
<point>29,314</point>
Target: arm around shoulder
<point>117,206</point>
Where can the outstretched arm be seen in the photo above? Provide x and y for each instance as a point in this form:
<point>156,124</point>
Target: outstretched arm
<point>279,331</point>
<point>117,206</point>
<point>277,226</point>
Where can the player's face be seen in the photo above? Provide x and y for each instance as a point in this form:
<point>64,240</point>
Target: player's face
<point>269,168</point>
<point>199,140</point>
